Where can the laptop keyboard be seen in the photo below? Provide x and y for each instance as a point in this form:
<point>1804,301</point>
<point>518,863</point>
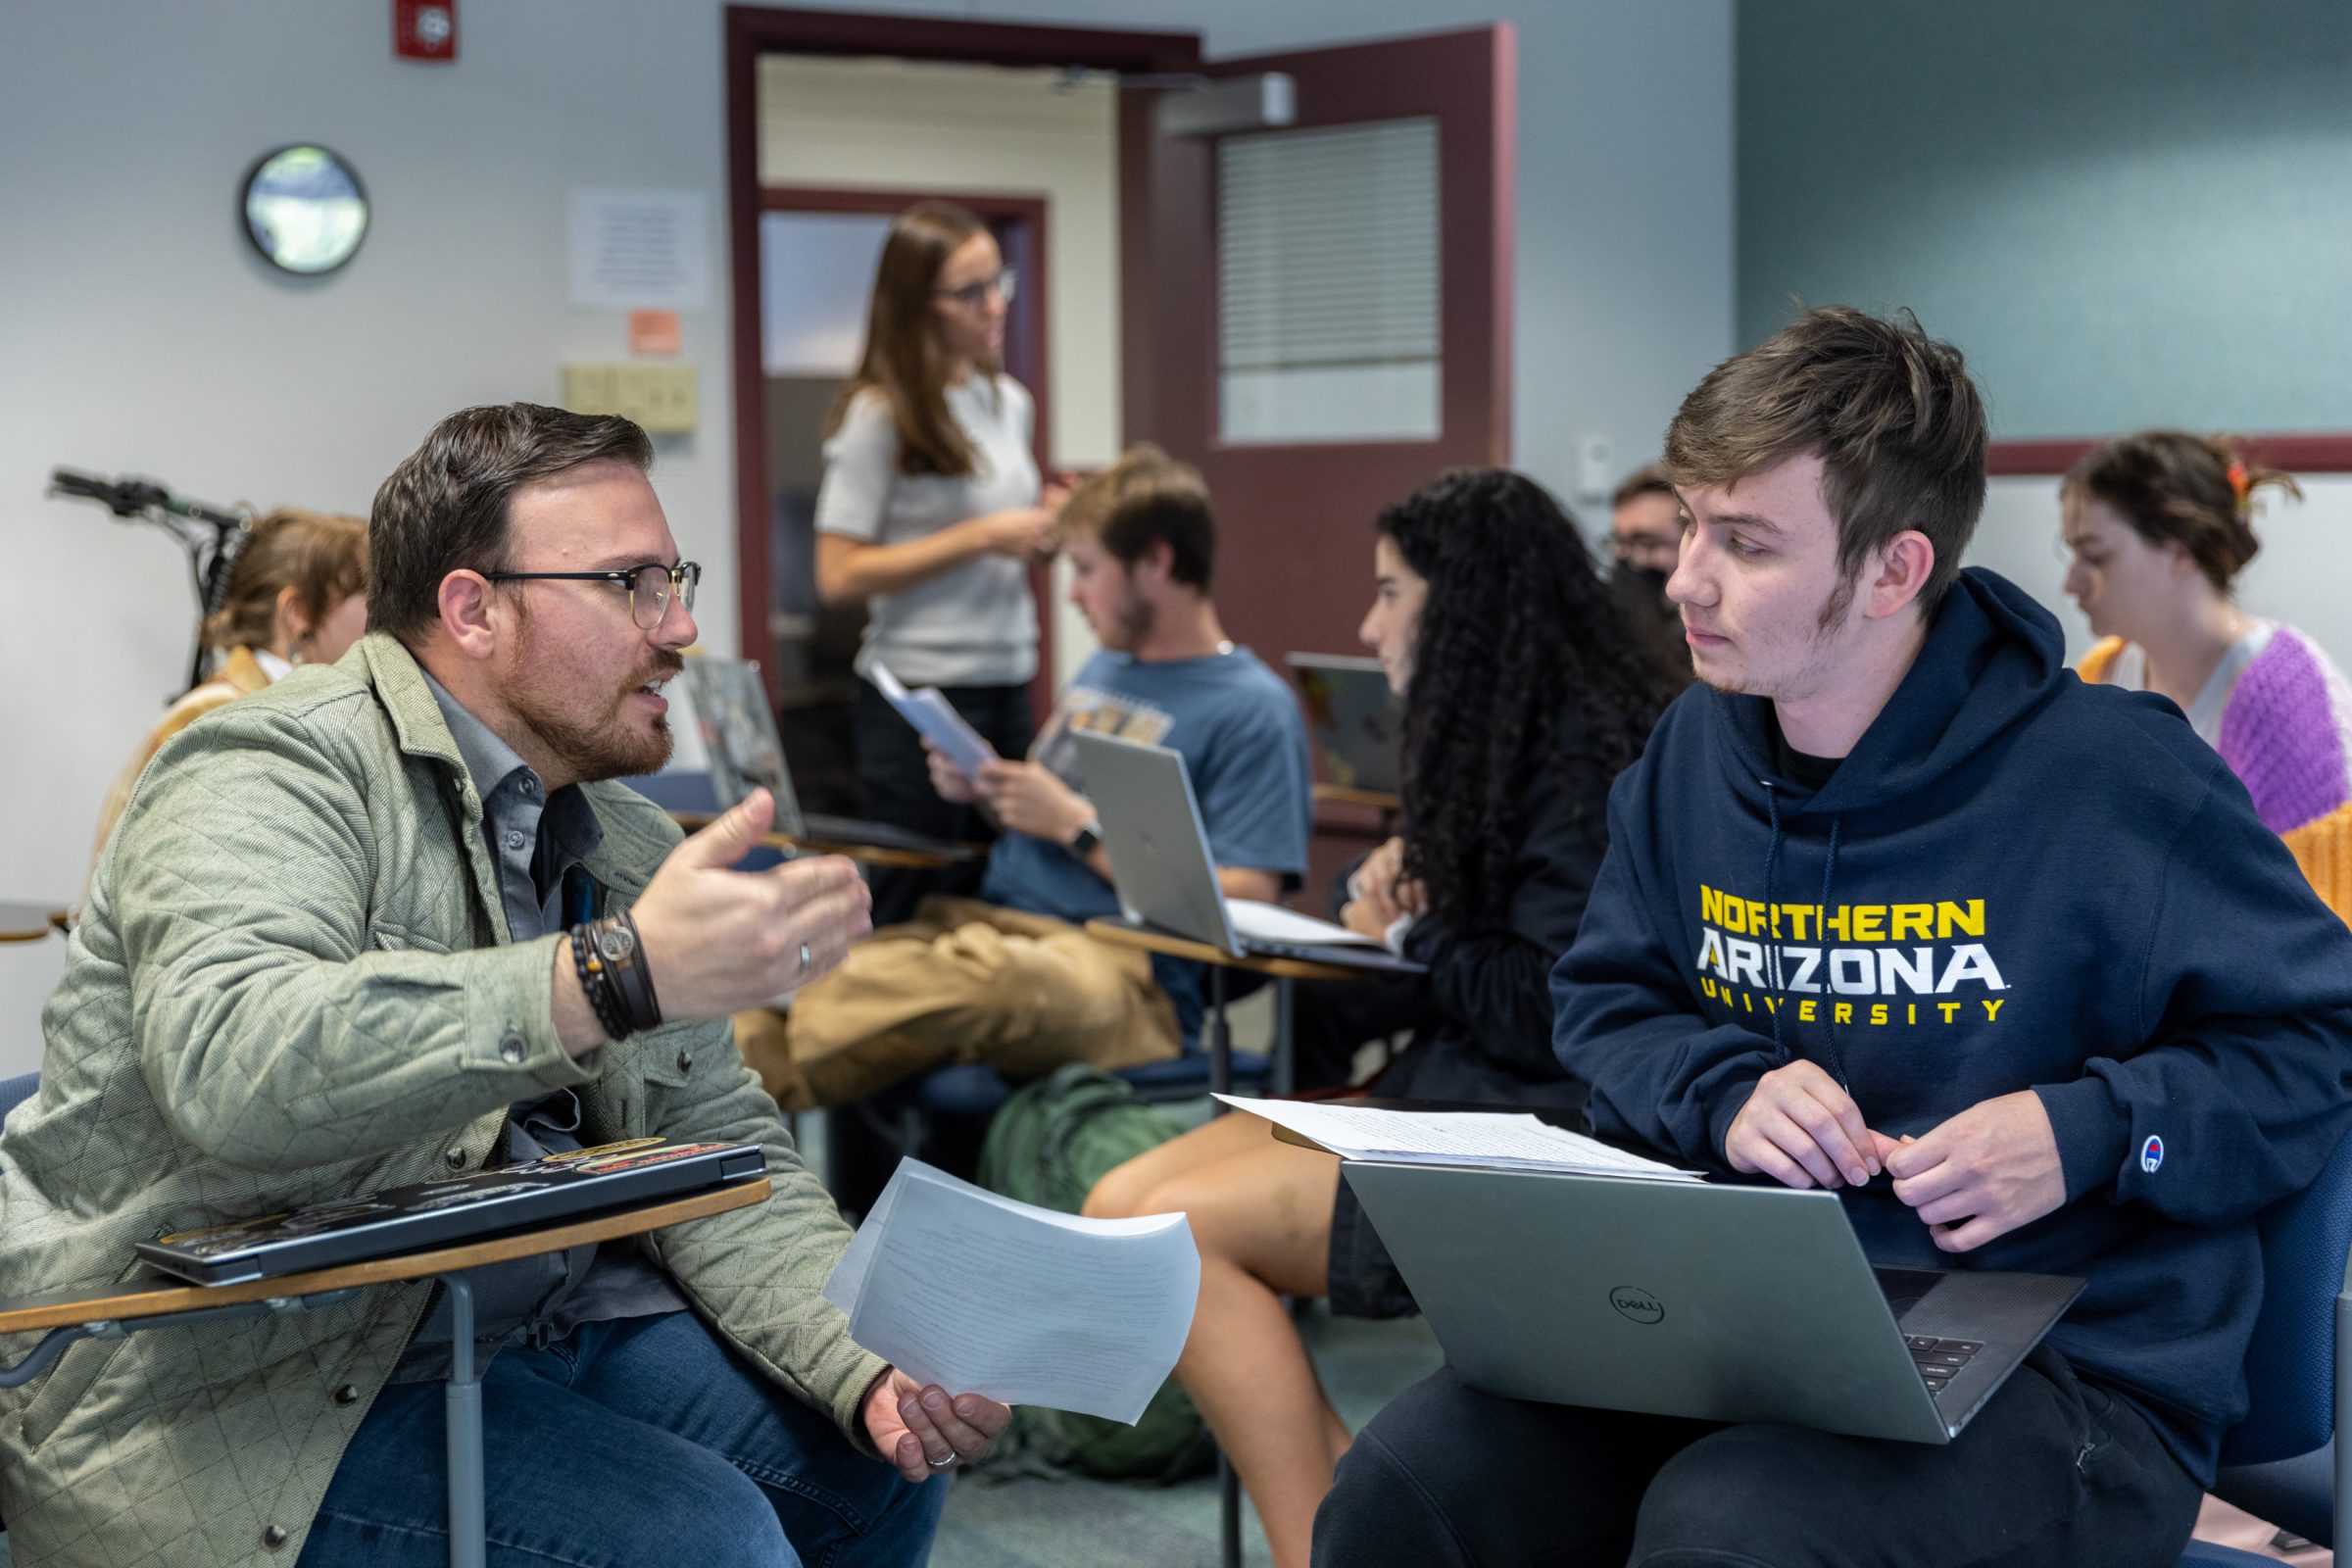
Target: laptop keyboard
<point>1938,1359</point>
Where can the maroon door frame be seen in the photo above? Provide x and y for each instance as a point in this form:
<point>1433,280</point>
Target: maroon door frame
<point>755,30</point>
<point>1032,363</point>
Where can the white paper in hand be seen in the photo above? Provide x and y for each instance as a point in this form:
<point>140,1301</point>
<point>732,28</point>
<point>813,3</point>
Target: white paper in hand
<point>956,1286</point>
<point>935,719</point>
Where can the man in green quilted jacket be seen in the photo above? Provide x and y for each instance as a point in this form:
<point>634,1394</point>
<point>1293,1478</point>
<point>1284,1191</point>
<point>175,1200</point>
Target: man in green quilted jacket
<point>336,944</point>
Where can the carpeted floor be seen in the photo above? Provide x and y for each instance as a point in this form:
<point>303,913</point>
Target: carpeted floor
<point>1030,1523</point>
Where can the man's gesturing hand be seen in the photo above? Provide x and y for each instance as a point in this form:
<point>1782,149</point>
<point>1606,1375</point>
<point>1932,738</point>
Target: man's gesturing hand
<point>1994,1166</point>
<point>718,941</point>
<point>1802,1130</point>
<point>924,1431</point>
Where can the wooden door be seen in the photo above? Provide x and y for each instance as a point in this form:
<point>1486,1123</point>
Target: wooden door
<point>1296,512</point>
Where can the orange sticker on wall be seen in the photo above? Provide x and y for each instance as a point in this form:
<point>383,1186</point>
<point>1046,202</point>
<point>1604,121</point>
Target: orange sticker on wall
<point>653,331</point>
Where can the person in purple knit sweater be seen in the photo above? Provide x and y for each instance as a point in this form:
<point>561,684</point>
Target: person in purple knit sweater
<point>2158,526</point>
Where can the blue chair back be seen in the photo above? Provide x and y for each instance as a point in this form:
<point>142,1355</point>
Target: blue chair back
<point>694,791</point>
<point>13,1092</point>
<point>2290,1368</point>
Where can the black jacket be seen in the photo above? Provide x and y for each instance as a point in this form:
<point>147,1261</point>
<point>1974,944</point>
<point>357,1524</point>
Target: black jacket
<point>1486,1003</point>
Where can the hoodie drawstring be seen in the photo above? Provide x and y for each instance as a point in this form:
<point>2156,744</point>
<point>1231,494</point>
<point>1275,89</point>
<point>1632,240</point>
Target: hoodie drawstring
<point>1781,1047</point>
<point>1828,875</point>
<point>1772,860</point>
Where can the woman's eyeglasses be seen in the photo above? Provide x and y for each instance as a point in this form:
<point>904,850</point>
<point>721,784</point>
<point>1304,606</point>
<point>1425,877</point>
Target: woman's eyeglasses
<point>973,295</point>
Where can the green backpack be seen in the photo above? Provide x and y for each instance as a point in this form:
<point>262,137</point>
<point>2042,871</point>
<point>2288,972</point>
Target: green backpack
<point>1049,1145</point>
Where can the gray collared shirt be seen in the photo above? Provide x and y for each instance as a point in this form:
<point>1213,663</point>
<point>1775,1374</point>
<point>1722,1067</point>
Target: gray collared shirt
<point>536,839</point>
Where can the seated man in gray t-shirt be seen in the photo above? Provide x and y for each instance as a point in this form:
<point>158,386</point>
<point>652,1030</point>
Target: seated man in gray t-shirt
<point>1011,978</point>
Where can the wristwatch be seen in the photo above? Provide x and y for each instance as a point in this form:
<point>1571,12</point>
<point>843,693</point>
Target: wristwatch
<point>1089,834</point>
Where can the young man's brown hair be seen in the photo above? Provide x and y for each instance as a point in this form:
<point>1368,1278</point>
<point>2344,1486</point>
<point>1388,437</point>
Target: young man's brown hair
<point>1898,426</point>
<point>1144,499</point>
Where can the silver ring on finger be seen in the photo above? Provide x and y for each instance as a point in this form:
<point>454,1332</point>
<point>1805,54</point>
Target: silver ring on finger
<point>941,1464</point>
<point>807,960</point>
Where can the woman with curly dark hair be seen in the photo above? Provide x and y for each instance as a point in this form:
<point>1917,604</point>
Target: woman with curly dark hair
<point>1526,693</point>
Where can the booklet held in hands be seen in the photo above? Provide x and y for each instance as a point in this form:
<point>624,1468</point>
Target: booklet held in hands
<point>935,719</point>
<point>956,1286</point>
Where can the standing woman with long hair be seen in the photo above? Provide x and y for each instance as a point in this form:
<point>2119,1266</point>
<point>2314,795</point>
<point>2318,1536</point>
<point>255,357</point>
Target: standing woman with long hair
<point>930,512</point>
<point>1526,692</point>
<point>2157,526</point>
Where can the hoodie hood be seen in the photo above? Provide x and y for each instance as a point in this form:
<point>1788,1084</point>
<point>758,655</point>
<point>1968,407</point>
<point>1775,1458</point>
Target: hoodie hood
<point>1993,660</point>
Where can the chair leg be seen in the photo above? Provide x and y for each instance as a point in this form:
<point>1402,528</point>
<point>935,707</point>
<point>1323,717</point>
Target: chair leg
<point>2342,1407</point>
<point>1229,1513</point>
<point>461,1419</point>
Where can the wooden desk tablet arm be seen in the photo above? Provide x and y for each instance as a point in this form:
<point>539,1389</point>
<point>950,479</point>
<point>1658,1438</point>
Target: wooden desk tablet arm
<point>154,1303</point>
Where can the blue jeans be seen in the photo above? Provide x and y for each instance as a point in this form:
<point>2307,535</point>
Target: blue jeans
<point>636,1442</point>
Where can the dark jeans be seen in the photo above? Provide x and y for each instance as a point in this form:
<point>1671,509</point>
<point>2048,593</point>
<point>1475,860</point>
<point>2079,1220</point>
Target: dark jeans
<point>2051,1471</point>
<point>639,1443</point>
<point>896,783</point>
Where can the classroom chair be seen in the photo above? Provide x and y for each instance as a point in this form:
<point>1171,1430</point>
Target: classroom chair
<point>2280,1463</point>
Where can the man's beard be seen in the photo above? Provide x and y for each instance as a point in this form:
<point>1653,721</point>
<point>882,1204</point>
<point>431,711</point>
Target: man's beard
<point>603,748</point>
<point>1134,617</point>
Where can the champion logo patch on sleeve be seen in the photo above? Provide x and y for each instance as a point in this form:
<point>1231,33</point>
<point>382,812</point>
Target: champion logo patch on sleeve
<point>2151,1154</point>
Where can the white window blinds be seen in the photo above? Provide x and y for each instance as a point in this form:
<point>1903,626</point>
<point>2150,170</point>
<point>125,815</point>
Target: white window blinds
<point>1327,279</point>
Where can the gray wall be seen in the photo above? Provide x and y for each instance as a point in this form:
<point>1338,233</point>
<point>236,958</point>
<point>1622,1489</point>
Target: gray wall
<point>2126,212</point>
<point>140,335</point>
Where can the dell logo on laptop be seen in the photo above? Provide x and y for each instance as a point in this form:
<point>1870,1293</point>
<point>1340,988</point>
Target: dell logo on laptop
<point>1636,1304</point>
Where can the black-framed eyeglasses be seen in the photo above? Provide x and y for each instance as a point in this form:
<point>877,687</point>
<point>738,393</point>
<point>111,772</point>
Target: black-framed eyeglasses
<point>650,586</point>
<point>971,295</point>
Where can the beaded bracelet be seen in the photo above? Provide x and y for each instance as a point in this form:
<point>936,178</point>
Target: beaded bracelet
<point>596,984</point>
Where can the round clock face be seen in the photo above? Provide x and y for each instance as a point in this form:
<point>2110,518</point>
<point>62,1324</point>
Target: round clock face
<point>304,208</point>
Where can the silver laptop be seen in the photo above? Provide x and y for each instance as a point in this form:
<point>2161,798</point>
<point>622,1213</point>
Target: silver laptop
<point>1358,725</point>
<point>739,734</point>
<point>1716,1301</point>
<point>1165,877</point>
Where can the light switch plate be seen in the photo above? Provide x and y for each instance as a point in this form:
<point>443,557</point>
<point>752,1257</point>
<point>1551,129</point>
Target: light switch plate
<point>663,398</point>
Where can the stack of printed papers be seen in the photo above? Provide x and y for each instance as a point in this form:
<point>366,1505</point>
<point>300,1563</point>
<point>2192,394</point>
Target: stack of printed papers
<point>1503,1139</point>
<point>956,1286</point>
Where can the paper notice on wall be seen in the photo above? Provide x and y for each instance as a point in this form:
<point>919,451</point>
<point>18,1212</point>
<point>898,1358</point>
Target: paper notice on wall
<point>641,249</point>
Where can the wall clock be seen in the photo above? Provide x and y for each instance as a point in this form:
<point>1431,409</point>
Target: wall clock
<point>304,208</point>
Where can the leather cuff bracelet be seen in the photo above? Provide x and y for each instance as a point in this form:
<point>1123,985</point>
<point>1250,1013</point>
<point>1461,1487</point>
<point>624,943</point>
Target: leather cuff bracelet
<point>596,984</point>
<point>618,944</point>
<point>610,960</point>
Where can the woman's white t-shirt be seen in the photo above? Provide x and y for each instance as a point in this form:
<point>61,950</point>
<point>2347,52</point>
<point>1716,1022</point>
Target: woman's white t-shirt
<point>975,625</point>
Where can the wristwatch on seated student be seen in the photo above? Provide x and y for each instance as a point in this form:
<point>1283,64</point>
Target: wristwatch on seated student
<point>1090,833</point>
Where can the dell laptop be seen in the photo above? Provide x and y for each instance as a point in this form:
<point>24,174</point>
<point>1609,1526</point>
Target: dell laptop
<point>1165,878</point>
<point>1713,1301</point>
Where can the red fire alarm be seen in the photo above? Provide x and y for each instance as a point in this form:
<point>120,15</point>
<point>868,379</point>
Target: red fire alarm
<point>425,29</point>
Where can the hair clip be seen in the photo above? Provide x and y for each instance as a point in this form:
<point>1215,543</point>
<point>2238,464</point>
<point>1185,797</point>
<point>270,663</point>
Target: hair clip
<point>2240,481</point>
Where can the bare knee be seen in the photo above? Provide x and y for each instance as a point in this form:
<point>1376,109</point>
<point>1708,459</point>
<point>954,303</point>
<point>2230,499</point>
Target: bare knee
<point>1119,1195</point>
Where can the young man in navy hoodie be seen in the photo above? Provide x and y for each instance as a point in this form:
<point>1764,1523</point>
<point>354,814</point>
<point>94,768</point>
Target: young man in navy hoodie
<point>1896,906</point>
